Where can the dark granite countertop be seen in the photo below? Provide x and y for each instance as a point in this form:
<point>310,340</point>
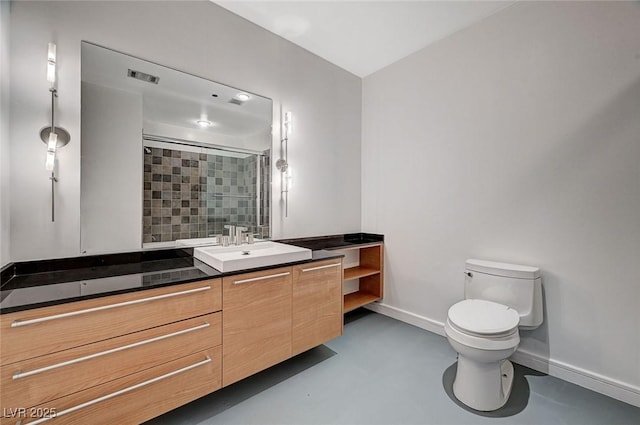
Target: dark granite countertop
<point>34,284</point>
<point>335,241</point>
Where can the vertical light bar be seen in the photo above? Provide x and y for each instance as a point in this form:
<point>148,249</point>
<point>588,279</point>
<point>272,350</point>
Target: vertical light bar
<point>51,151</point>
<point>53,142</point>
<point>288,118</point>
<point>283,163</point>
<point>51,65</point>
<point>51,158</point>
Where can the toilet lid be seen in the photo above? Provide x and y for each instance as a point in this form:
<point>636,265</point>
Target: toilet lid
<point>483,317</point>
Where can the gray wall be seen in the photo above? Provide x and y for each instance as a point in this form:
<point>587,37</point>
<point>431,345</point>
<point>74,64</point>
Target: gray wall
<point>111,170</point>
<point>205,40</point>
<point>518,140</point>
<point>4,133</point>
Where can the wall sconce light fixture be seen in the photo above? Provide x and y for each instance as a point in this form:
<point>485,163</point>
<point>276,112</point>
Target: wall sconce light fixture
<point>282,164</point>
<point>54,137</point>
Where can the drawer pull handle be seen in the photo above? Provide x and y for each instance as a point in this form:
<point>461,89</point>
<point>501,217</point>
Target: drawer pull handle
<point>254,279</point>
<point>19,375</point>
<point>320,267</point>
<point>122,391</point>
<point>18,323</point>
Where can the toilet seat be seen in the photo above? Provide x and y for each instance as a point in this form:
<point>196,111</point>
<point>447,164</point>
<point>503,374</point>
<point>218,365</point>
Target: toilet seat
<point>483,325</point>
<point>482,318</point>
<point>504,342</point>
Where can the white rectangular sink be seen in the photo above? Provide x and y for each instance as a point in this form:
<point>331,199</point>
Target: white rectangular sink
<point>260,254</point>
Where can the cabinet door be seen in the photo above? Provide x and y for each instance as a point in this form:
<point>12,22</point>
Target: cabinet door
<point>317,304</point>
<point>256,322</point>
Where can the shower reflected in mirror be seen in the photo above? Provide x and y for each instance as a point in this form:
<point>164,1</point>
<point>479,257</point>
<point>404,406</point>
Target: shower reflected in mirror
<point>166,155</point>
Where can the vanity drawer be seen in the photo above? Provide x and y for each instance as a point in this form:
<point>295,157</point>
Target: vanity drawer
<point>139,397</point>
<point>36,381</point>
<point>317,304</point>
<point>32,333</point>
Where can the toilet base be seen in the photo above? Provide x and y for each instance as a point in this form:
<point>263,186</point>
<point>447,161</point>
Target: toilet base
<point>483,386</point>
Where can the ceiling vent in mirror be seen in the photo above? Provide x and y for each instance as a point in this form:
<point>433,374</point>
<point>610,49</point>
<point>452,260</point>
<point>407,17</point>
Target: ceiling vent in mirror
<point>143,76</point>
<point>236,101</point>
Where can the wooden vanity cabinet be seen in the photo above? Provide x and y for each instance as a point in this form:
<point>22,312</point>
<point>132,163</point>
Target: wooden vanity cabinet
<point>317,304</point>
<point>131,357</point>
<point>35,381</point>
<point>256,328</point>
<point>272,315</point>
<point>99,361</point>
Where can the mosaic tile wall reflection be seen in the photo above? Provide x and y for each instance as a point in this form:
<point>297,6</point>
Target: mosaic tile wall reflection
<point>193,195</point>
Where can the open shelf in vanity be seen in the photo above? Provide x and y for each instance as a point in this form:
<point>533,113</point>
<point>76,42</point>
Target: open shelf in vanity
<point>363,275</point>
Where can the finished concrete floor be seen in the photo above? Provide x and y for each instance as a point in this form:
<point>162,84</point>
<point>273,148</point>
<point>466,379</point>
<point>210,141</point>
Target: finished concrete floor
<point>383,371</point>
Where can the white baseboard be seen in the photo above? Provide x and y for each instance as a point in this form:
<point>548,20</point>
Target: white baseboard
<point>604,385</point>
<point>584,378</point>
<point>408,317</point>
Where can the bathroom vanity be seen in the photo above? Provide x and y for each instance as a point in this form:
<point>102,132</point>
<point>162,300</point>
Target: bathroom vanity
<point>123,338</point>
<point>363,265</point>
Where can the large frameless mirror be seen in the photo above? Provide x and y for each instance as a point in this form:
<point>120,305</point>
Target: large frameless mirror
<point>168,156</point>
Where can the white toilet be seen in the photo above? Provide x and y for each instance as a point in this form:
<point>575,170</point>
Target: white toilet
<point>483,329</point>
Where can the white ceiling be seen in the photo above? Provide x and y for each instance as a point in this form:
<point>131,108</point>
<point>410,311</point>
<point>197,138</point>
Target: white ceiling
<point>178,100</point>
<point>363,36</point>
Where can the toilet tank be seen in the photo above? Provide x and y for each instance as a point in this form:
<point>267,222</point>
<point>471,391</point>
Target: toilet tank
<point>519,287</point>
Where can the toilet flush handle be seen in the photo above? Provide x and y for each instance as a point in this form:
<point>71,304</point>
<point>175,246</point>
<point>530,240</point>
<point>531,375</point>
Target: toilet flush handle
<point>468,274</point>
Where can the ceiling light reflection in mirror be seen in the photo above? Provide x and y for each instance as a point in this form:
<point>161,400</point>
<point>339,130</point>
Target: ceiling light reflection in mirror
<point>173,101</point>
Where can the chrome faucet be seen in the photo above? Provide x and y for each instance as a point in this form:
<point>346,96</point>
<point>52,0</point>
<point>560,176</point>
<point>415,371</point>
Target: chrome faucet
<point>240,234</point>
<point>232,232</point>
